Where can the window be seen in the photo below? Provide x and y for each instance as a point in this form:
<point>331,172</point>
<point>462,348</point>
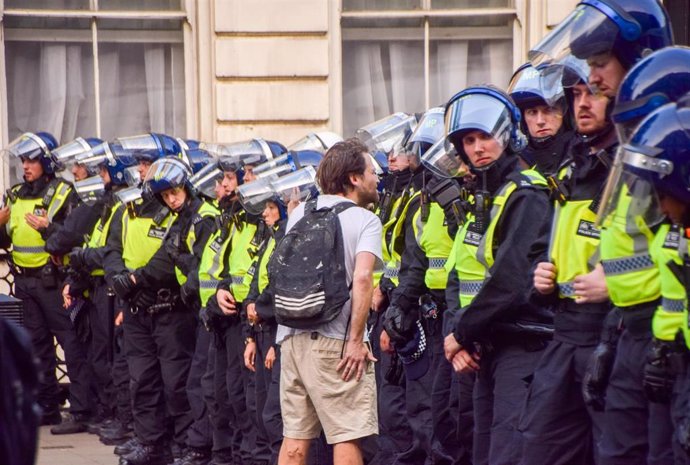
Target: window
<point>103,68</point>
<point>410,55</point>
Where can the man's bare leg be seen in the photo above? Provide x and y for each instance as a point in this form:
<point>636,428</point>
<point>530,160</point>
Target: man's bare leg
<point>294,451</point>
<point>347,453</point>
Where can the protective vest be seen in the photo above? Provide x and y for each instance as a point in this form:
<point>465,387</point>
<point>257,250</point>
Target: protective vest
<point>392,266</point>
<point>388,226</point>
<point>28,247</point>
<point>212,261</point>
<point>574,244</point>
<point>241,258</point>
<point>205,210</point>
<point>141,238</point>
<point>670,244</point>
<point>261,266</point>
<point>99,236</point>
<point>631,276</point>
<point>432,237</point>
<point>474,250</point>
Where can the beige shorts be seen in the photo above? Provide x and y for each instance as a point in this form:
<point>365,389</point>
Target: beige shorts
<point>313,395</point>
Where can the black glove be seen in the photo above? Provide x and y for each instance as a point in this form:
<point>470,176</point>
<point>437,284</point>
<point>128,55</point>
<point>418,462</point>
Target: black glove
<point>172,245</point>
<point>76,258</point>
<point>659,376</point>
<point>123,285</point>
<point>207,318</point>
<point>189,295</point>
<point>400,325</point>
<point>597,374</point>
<point>143,299</point>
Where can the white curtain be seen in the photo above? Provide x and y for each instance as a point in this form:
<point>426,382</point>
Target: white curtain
<point>51,88</point>
<point>380,78</point>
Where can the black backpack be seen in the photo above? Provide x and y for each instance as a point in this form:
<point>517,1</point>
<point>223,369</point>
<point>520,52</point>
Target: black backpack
<point>307,269</point>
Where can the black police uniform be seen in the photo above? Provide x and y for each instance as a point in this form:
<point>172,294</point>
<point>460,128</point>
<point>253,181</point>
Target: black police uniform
<point>509,334</point>
<point>45,318</point>
<point>557,426</point>
<point>158,344</point>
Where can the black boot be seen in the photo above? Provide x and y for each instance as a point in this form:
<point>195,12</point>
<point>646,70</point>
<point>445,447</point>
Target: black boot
<point>127,447</point>
<point>115,433</point>
<point>148,454</point>
<point>51,417</point>
<point>71,424</point>
<point>194,456</point>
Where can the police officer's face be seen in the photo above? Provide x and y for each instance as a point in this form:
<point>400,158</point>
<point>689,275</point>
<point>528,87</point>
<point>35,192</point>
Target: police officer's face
<point>105,175</point>
<point>228,183</point>
<point>590,110</point>
<point>33,169</point>
<point>605,73</point>
<point>271,214</point>
<point>79,172</point>
<point>249,175</point>
<point>174,198</point>
<point>674,209</point>
<point>143,168</point>
<point>397,162</point>
<point>481,148</point>
<point>543,120</point>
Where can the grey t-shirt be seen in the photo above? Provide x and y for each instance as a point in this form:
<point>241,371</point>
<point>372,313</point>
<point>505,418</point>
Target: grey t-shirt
<point>362,232</point>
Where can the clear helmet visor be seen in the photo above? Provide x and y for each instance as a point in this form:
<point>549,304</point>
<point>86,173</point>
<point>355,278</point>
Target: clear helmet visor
<point>206,180</point>
<point>171,170</point>
<point>385,133</point>
<point>299,186</point>
<point>528,82</point>
<point>128,195</point>
<point>629,197</point>
<point>428,131</point>
<point>253,196</point>
<point>279,166</point>
<point>65,155</point>
<point>317,141</point>
<point>28,145</point>
<point>90,189</point>
<point>479,112</point>
<point>442,159</point>
<point>250,152</point>
<point>585,32</point>
<point>141,143</point>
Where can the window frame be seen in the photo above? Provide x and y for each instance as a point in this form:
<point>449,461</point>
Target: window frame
<point>93,35</point>
<point>513,31</point>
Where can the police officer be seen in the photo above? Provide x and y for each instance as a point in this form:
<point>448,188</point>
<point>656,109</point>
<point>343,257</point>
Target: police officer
<point>498,335</point>
<point>572,280</point>
<point>395,434</point>
<point>545,119</point>
<point>109,365</point>
<point>168,180</point>
<point>159,331</point>
<point>412,319</point>
<point>30,209</point>
<point>633,280</point>
<point>231,253</point>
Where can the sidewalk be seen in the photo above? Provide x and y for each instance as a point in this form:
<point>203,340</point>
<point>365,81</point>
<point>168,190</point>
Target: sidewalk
<point>73,449</point>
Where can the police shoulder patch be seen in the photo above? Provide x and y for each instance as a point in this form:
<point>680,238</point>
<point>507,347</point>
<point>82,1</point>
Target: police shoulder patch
<point>672,239</point>
<point>472,238</point>
<point>157,232</point>
<point>587,229</point>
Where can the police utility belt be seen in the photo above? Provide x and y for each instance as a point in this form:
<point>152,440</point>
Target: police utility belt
<point>166,301</point>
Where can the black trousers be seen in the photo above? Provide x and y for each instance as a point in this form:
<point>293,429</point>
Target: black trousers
<point>159,352</point>
<point>216,399</point>
<point>199,434</point>
<point>230,367</point>
<point>499,392</point>
<point>121,379</point>
<point>418,401</point>
<point>44,319</point>
<point>452,414</point>
<point>640,431</point>
<point>100,322</point>
<point>557,426</point>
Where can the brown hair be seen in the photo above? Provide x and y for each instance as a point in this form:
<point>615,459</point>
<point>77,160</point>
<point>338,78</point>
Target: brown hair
<point>341,160</point>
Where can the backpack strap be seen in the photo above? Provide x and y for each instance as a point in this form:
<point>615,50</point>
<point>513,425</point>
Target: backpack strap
<point>340,207</point>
